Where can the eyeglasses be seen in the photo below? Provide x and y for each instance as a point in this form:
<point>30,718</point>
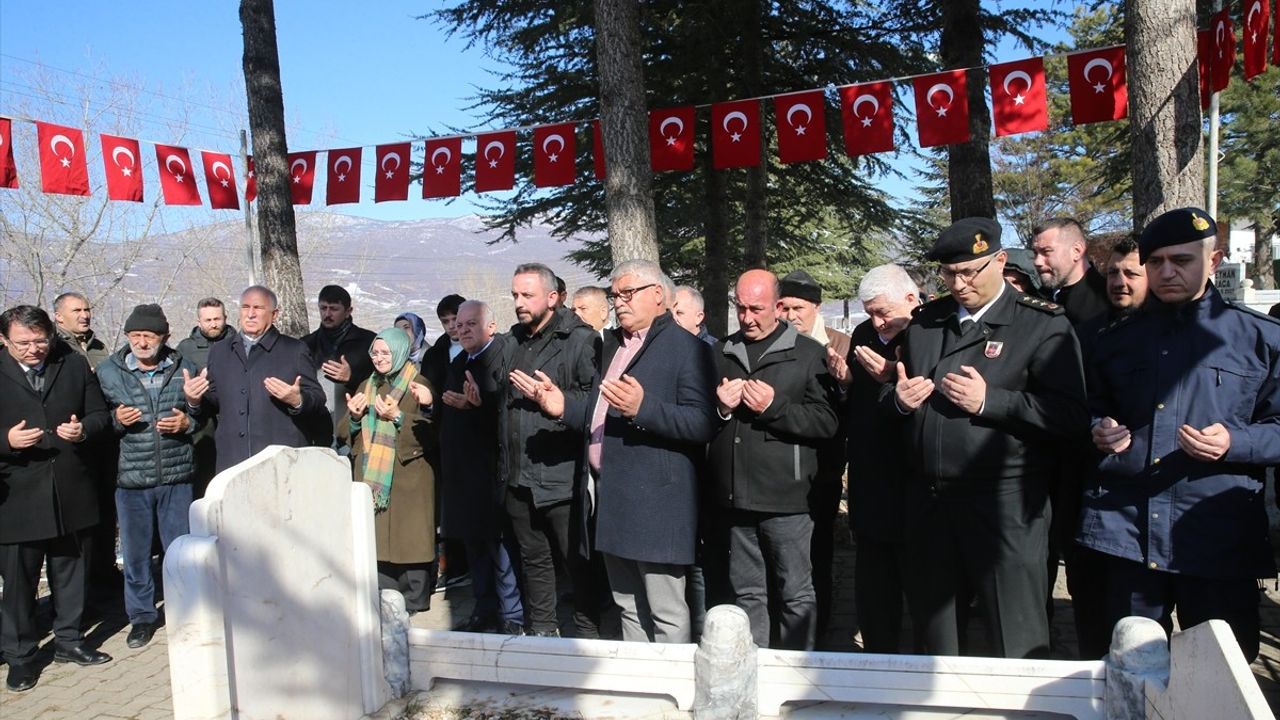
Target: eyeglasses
<point>625,294</point>
<point>26,344</point>
<point>965,275</point>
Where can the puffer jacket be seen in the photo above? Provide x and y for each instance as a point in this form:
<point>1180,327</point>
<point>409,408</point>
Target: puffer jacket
<point>149,458</point>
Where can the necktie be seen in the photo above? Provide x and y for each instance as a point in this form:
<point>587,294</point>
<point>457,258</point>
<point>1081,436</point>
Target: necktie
<point>33,378</point>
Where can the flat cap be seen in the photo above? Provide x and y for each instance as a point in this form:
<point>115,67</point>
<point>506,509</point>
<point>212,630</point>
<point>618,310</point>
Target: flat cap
<point>1175,227</point>
<point>967,239</point>
<point>800,284</point>
<point>1023,260</point>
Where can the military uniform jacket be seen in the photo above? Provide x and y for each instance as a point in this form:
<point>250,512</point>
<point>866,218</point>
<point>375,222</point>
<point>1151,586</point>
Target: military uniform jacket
<point>1201,363</point>
<point>1028,354</point>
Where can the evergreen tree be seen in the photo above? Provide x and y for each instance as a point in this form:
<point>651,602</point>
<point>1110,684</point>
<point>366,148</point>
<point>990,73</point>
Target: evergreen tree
<point>1249,172</point>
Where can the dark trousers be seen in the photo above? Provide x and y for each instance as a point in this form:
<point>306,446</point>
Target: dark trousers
<point>769,555</point>
<point>415,581</point>
<point>99,543</point>
<point>540,532</point>
<point>1134,589</point>
<point>877,593</point>
<point>493,581</point>
<point>20,567</point>
<point>993,545</point>
<point>142,513</point>
<point>1087,584</point>
<point>824,506</point>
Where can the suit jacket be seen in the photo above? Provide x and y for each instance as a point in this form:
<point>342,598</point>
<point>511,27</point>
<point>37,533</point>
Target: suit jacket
<point>647,495</point>
<point>50,489</point>
<point>875,448</point>
<point>249,418</point>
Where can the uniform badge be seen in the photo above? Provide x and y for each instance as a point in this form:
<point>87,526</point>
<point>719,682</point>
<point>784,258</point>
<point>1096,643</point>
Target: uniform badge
<point>979,245</point>
<point>993,349</point>
<point>1199,223</point>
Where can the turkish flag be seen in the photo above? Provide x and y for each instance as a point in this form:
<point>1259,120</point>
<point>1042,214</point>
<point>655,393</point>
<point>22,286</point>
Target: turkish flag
<point>1204,59</point>
<point>496,161</point>
<point>1018,98</point>
<point>442,175</point>
<point>1275,44</point>
<point>121,158</point>
<point>63,169</point>
<point>302,176</point>
<point>221,181</point>
<point>553,155</point>
<point>942,108</point>
<point>1256,16</point>
<point>343,182</point>
<point>177,181</point>
<point>597,150</point>
<point>8,171</point>
<point>801,121</point>
<point>867,112</point>
<point>250,182</point>
<point>735,134</point>
<point>1098,90</point>
<point>671,139</point>
<point>1224,48</point>
<point>391,182</point>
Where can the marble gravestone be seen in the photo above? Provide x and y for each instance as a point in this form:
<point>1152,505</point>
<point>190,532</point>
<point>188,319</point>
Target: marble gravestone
<point>272,601</point>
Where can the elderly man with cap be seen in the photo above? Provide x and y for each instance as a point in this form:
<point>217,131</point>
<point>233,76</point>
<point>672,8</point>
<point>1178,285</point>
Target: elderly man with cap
<point>989,382</point>
<point>801,306</point>
<point>143,385</point>
<point>1185,399</point>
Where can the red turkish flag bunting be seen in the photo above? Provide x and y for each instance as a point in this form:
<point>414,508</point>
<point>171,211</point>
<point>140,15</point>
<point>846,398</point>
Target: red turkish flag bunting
<point>177,181</point>
<point>942,108</point>
<point>302,176</point>
<point>442,175</point>
<point>801,121</point>
<point>1275,44</point>
<point>735,134</point>
<point>122,161</point>
<point>671,138</point>
<point>1018,97</point>
<point>250,181</point>
<point>1204,60</point>
<point>553,155</point>
<point>1224,49</point>
<point>343,181</point>
<point>597,150</point>
<point>1098,90</point>
<point>221,181</point>
<point>867,112</point>
<point>8,171</point>
<point>1256,16</point>
<point>496,161</point>
<point>63,169</point>
<point>391,182</point>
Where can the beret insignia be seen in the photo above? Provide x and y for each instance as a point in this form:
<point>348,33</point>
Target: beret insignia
<point>1199,223</point>
<point>979,245</point>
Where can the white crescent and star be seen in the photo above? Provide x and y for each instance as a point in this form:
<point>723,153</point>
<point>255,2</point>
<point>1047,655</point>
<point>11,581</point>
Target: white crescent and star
<point>875,108</point>
<point>799,108</point>
<point>1218,31</point>
<point>169,160</point>
<point>337,167</point>
<point>115,158</point>
<point>1025,77</point>
<point>214,169</point>
<point>391,156</point>
<point>1102,63</point>
<point>1256,7</point>
<point>502,150</point>
<point>448,155</point>
<point>944,88</point>
<point>735,115</point>
<point>554,137</point>
<point>63,140</point>
<point>297,178</point>
<point>672,120</point>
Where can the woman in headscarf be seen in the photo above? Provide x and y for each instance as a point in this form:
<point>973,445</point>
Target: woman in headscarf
<point>413,326</point>
<point>388,427</point>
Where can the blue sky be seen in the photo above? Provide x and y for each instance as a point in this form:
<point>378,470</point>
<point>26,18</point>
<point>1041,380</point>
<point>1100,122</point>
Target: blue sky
<point>353,74</point>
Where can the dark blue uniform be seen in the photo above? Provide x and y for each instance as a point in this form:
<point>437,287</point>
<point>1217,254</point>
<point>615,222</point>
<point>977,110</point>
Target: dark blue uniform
<point>1182,531</point>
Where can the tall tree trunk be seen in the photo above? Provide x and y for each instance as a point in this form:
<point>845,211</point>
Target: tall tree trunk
<point>277,232</point>
<point>757,216</point>
<point>1264,269</point>
<point>968,165</point>
<point>715,270</point>
<point>1164,107</point>
<point>628,187</point>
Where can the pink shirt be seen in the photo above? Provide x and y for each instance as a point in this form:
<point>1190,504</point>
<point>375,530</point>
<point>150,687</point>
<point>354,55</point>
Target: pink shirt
<point>630,346</point>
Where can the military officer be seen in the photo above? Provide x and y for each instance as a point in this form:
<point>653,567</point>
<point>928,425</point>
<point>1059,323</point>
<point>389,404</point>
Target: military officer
<point>1185,399</point>
<point>989,381</point>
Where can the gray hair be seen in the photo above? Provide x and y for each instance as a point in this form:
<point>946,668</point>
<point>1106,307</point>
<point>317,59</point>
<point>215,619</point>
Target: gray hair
<point>548,278</point>
<point>649,272</point>
<point>486,312</point>
<point>598,293</point>
<point>57,302</point>
<point>888,280</point>
<point>693,294</point>
<point>263,289</point>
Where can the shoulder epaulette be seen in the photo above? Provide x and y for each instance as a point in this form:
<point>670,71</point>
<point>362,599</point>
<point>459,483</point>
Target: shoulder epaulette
<point>1040,304</point>
<point>1118,322</point>
<point>1250,311</point>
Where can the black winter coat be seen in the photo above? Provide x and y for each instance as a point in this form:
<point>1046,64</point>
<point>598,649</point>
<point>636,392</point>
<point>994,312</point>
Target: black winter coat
<point>195,347</point>
<point>875,447</point>
<point>50,489</point>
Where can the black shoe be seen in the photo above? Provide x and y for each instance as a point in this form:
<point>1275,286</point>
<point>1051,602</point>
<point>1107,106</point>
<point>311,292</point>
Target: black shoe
<point>22,677</point>
<point>479,625</point>
<point>552,632</point>
<point>511,627</point>
<point>80,655</point>
<point>140,635</point>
